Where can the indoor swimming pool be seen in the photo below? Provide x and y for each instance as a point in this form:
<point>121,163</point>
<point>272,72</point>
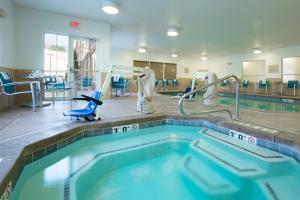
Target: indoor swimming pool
<point>261,105</point>
<point>265,104</point>
<point>162,162</point>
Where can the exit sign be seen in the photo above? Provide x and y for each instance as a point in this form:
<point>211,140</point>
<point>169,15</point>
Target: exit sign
<point>74,24</point>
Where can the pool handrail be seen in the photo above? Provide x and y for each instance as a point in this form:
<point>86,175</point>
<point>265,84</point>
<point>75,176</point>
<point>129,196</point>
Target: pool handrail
<point>237,106</point>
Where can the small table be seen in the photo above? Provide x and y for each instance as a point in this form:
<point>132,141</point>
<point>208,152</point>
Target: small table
<point>39,98</point>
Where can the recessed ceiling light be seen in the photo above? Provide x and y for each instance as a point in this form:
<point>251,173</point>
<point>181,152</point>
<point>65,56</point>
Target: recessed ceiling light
<point>257,51</point>
<point>142,50</point>
<point>174,55</point>
<point>110,7</point>
<point>172,32</point>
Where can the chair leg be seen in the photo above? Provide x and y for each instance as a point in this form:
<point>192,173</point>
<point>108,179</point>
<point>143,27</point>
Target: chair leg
<point>32,87</point>
<point>52,97</point>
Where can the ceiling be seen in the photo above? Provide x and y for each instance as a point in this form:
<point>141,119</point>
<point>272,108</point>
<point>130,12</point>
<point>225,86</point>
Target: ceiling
<point>217,27</point>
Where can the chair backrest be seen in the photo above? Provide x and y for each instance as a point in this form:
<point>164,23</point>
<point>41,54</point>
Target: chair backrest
<point>87,82</point>
<point>121,83</point>
<point>5,79</point>
<point>245,83</point>
<point>187,90</point>
<point>292,83</point>
<point>157,82</point>
<point>224,83</point>
<point>92,105</point>
<point>262,84</point>
<point>165,82</point>
<point>175,82</point>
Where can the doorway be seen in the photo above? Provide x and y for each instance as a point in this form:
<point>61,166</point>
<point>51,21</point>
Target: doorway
<point>70,62</point>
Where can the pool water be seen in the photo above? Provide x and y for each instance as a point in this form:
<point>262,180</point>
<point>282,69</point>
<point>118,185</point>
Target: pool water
<point>164,162</point>
<point>260,105</point>
<point>250,104</point>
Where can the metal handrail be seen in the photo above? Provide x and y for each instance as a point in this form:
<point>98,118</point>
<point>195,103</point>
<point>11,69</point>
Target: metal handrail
<point>237,106</point>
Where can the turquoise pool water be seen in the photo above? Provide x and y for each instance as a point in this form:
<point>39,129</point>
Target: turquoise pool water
<point>261,105</point>
<point>165,162</point>
<point>252,104</point>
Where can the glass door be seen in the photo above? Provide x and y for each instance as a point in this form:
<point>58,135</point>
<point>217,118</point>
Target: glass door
<point>83,64</point>
<point>56,62</point>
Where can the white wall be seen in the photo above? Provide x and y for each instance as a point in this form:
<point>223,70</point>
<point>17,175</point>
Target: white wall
<point>125,57</point>
<point>222,66</point>
<point>273,57</point>
<point>31,25</point>
<point>7,35</point>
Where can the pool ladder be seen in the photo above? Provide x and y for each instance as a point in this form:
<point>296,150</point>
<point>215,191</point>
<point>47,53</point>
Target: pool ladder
<point>237,106</point>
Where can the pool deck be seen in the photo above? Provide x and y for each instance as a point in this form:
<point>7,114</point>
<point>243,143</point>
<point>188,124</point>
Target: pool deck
<point>27,135</point>
<point>20,121</point>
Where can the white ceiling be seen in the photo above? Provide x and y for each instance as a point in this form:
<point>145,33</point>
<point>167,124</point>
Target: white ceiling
<point>217,27</point>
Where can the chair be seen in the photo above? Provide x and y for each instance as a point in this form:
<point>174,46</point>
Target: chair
<point>119,83</point>
<point>245,83</point>
<point>263,84</point>
<point>87,113</point>
<point>86,83</point>
<point>56,84</point>
<point>225,83</point>
<point>293,84</point>
<point>187,90</point>
<point>175,82</point>
<point>8,88</point>
<point>165,83</point>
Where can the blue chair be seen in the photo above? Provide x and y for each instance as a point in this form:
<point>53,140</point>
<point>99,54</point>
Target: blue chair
<point>157,82</point>
<point>86,82</point>
<point>245,83</point>
<point>293,84</point>
<point>88,113</point>
<point>175,82</point>
<point>224,83</point>
<point>165,83</point>
<point>56,84</point>
<point>263,84</point>
<point>121,84</point>
<point>9,88</point>
<point>187,90</point>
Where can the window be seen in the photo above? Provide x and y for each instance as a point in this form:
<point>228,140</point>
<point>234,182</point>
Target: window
<point>56,54</point>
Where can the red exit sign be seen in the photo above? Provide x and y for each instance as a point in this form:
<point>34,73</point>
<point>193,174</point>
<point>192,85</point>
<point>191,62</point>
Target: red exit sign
<point>74,24</point>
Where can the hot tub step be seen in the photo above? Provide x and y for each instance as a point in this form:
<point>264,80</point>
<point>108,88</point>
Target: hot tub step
<point>208,180</point>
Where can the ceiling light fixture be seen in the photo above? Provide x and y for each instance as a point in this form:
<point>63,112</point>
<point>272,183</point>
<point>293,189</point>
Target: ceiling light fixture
<point>174,55</point>
<point>257,51</point>
<point>172,32</point>
<point>204,57</point>
<point>142,50</point>
<point>110,7</point>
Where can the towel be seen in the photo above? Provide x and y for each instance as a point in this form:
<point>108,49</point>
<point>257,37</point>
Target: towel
<point>209,97</point>
<point>36,73</point>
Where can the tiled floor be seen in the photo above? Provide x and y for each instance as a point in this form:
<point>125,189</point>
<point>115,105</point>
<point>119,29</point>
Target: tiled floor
<point>19,121</point>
